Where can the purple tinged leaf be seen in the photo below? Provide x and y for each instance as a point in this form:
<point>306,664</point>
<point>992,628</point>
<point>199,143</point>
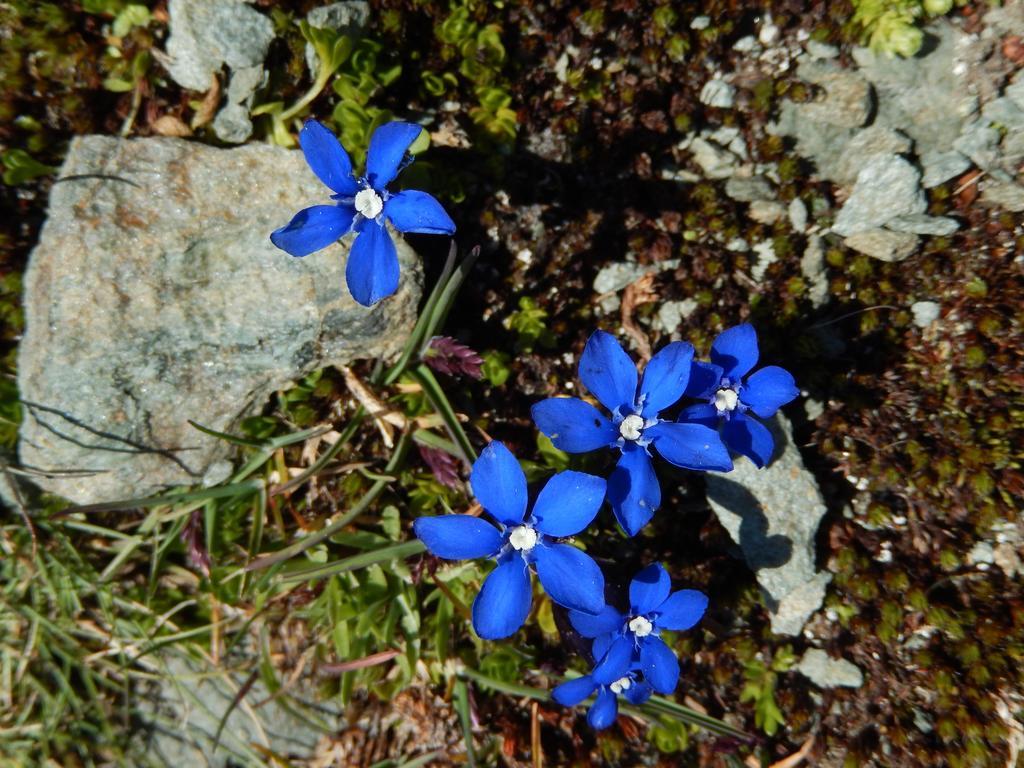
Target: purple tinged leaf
<point>195,548</point>
<point>443,466</point>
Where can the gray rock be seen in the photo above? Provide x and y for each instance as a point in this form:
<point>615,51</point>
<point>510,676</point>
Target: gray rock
<point>980,142</point>
<point>773,514</point>
<point>887,186</point>
<point>244,82</point>
<point>700,22</point>
<point>821,142</point>
<point>982,553</point>
<point>868,143</point>
<point>716,162</point>
<point>940,167</point>
<point>232,124</point>
<point>155,297</point>
<point>812,267</point>
<point>747,189</point>
<point>928,96</point>
<point>737,245</point>
<point>766,211</point>
<point>821,51</point>
<point>848,101</point>
<point>1012,148</point>
<point>883,244</point>
<point>671,315</point>
<point>826,672</point>
<point>181,714</point>
<point>923,224</point>
<point>349,18</point>
<point>797,212</point>
<point>718,93</point>
<point>1004,195</point>
<point>1015,90</point>
<point>1005,112</point>
<point>615,277</point>
<point>765,251</point>
<point>925,313</point>
<point>206,34</point>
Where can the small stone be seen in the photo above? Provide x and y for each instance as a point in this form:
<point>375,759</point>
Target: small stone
<point>812,267</point>
<point>715,161</point>
<point>206,34</point>
<point>980,142</point>
<point>887,186</point>
<point>700,22</point>
<point>615,277</point>
<point>773,514</point>
<point>848,100</point>
<point>718,93</point>
<point>1005,112</point>
<point>923,224</point>
<point>982,553</point>
<point>768,34</point>
<point>748,189</point>
<point>671,315</point>
<point>766,211</point>
<point>821,51</point>
<point>866,144</point>
<point>765,251</point>
<point>1007,560</point>
<point>1015,90</point>
<point>232,125</point>
<point>883,244</point>
<point>745,44</point>
<point>940,167</point>
<point>155,297</point>
<point>797,212</point>
<point>826,672</point>
<point>925,313</point>
<point>737,245</point>
<point>1005,195</point>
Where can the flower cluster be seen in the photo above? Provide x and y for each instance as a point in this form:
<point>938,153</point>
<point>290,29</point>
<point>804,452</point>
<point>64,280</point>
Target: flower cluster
<point>630,658</point>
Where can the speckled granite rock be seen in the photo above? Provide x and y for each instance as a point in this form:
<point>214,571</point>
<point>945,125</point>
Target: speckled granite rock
<point>155,297</point>
<point>773,514</point>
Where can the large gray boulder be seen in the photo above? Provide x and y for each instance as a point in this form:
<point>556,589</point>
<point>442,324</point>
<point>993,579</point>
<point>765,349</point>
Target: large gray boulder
<point>155,297</point>
<point>773,514</point>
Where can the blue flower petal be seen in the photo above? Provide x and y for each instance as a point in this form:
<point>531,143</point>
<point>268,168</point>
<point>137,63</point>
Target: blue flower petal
<point>458,537</point>
<point>413,211</point>
<point>735,350</point>
<point>633,489</point>
<point>615,663</point>
<point>749,437</point>
<point>609,620</point>
<point>372,269</point>
<point>659,664</point>
<point>313,228</point>
<point>639,692</point>
<point>568,503</point>
<point>572,692</point>
<point>608,372</point>
<point>503,603</point>
<point>573,425</point>
<point>570,577</point>
<point>768,390</point>
<point>682,610</point>
<point>601,644</point>
<point>702,413</point>
<point>649,589</point>
<point>691,446</point>
<point>327,158</point>
<point>388,146</point>
<point>665,378</point>
<point>499,484</point>
<point>604,711</point>
<point>705,379</point>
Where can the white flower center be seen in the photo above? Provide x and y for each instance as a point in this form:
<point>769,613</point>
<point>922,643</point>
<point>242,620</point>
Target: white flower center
<point>726,399</point>
<point>640,626</point>
<point>523,538</point>
<point>620,685</point>
<point>368,203</point>
<point>631,426</point>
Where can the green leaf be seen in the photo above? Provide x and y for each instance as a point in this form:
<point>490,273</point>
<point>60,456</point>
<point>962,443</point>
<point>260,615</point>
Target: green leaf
<point>117,85</point>
<point>131,16</point>
<point>495,367</point>
<point>20,166</point>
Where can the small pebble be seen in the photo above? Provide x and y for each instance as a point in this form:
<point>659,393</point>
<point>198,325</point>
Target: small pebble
<point>925,313</point>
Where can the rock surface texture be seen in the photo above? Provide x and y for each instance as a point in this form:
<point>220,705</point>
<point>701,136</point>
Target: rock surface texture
<point>773,514</point>
<point>155,297</point>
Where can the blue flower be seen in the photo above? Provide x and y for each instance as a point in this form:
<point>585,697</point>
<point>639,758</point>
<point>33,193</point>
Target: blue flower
<point>651,610</point>
<point>614,674</point>
<point>731,398</point>
<point>363,205</point>
<point>565,506</point>
<point>577,427</point>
